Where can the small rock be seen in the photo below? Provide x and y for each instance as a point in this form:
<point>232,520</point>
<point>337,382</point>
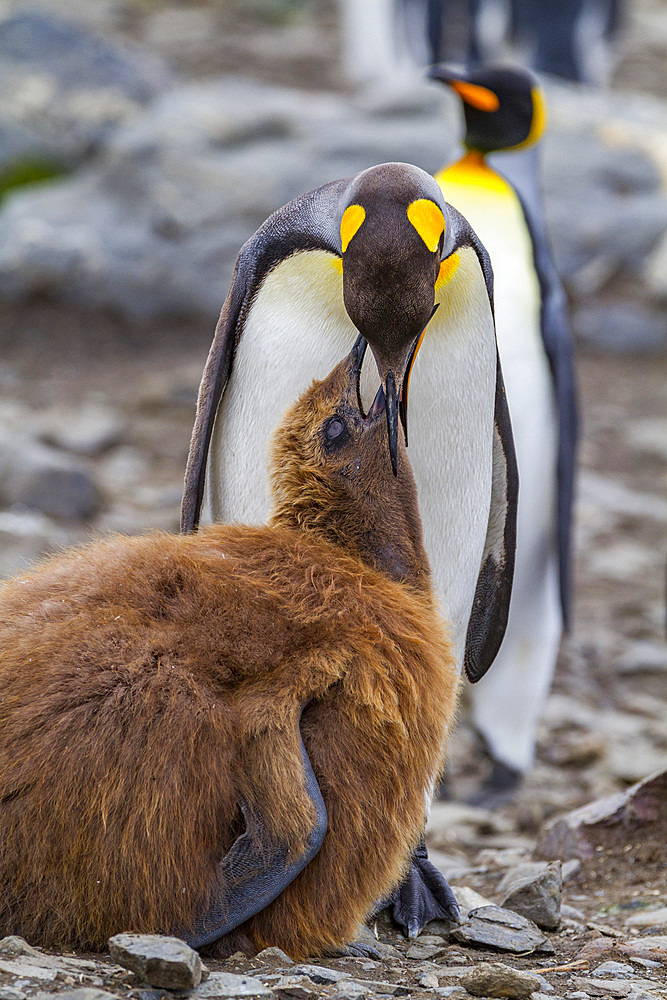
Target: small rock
<point>648,918</point>
<point>493,979</point>
<point>422,953</point>
<point>534,890</point>
<point>161,961</point>
<point>428,981</point>
<point>273,956</point>
<point>577,834</point>
<point>11,993</point>
<point>82,993</point>
<point>495,927</point>
<point>227,984</point>
<point>294,988</point>
<point>571,913</point>
<point>570,868</point>
<point>618,970</point>
<point>319,974</point>
<point>13,945</point>
<point>453,992</point>
<point>351,990</point>
<point>88,431</point>
<point>26,970</point>
<point>430,939</point>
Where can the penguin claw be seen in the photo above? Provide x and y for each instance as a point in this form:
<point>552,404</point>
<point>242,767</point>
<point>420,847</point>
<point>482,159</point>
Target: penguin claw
<point>422,896</point>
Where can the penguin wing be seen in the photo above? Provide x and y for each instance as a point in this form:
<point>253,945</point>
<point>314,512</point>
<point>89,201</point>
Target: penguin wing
<point>559,348</point>
<point>490,606</point>
<point>306,223</point>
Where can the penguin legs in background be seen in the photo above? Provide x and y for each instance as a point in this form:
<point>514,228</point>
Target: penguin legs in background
<point>509,702</point>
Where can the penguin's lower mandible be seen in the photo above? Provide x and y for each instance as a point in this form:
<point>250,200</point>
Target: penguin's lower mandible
<point>235,732</point>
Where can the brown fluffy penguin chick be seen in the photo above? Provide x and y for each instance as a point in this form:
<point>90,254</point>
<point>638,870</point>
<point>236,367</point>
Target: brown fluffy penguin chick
<point>149,685</point>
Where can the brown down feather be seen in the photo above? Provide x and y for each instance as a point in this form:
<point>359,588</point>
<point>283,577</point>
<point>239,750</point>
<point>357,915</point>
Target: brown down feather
<point>147,684</point>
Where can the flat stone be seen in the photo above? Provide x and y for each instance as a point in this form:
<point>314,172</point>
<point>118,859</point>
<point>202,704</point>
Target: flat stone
<point>493,979</point>
<point>165,962</point>
<point>612,987</point>
<point>648,918</point>
<point>26,970</point>
<point>320,974</point>
<point>294,987</point>
<point>351,990</point>
<point>429,981</point>
<point>11,993</point>
<point>81,993</point>
<point>611,819</point>
<point>273,956</point>
<point>503,930</point>
<point>421,952</point>
<point>227,984</point>
<point>452,992</point>
<point>618,970</point>
<point>90,430</point>
<point>534,890</point>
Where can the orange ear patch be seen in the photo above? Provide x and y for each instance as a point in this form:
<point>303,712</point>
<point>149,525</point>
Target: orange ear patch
<point>353,216</point>
<point>447,270</point>
<point>477,97</point>
<point>428,220</point>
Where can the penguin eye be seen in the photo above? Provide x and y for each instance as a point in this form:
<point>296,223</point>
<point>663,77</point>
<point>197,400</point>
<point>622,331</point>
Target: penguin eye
<point>335,431</point>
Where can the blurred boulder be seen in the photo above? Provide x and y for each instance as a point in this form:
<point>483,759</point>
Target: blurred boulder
<point>63,87</point>
<point>40,478</point>
<point>608,822</point>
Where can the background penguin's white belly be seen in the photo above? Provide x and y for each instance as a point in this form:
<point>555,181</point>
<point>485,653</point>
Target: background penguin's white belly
<point>508,703</point>
<point>298,330</point>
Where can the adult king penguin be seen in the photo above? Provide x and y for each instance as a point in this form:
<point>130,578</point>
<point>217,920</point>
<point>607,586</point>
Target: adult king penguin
<point>379,254</point>
<point>505,110</point>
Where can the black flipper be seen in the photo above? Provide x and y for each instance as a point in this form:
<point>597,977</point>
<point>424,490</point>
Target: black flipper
<point>423,895</point>
<point>491,603</point>
<point>254,871</point>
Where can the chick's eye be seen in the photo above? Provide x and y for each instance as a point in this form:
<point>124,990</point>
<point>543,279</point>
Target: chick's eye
<point>335,428</point>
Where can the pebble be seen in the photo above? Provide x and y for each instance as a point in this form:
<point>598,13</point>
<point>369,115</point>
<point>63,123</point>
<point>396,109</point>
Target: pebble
<point>165,962</point>
<point>534,890</point>
<point>227,984</point>
<point>616,969</point>
<point>495,927</point>
<point>428,981</point>
<point>82,993</point>
<point>493,979</point>
<point>351,990</point>
<point>273,956</point>
<point>421,953</point>
<point>294,987</point>
<point>648,918</point>
<point>320,974</point>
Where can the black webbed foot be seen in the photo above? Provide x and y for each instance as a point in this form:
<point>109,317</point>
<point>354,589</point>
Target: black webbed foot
<point>255,871</point>
<point>423,895</point>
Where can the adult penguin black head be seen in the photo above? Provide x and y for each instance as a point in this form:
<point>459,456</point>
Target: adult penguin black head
<point>393,239</point>
<point>504,108</point>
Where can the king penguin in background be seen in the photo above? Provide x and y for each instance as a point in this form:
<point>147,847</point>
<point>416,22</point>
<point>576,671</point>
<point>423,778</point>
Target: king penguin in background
<point>505,110</point>
<point>382,255</point>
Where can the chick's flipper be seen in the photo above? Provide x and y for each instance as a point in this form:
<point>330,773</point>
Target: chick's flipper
<point>255,870</point>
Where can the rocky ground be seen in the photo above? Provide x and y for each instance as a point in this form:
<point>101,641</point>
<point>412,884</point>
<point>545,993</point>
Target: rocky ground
<point>110,279</point>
